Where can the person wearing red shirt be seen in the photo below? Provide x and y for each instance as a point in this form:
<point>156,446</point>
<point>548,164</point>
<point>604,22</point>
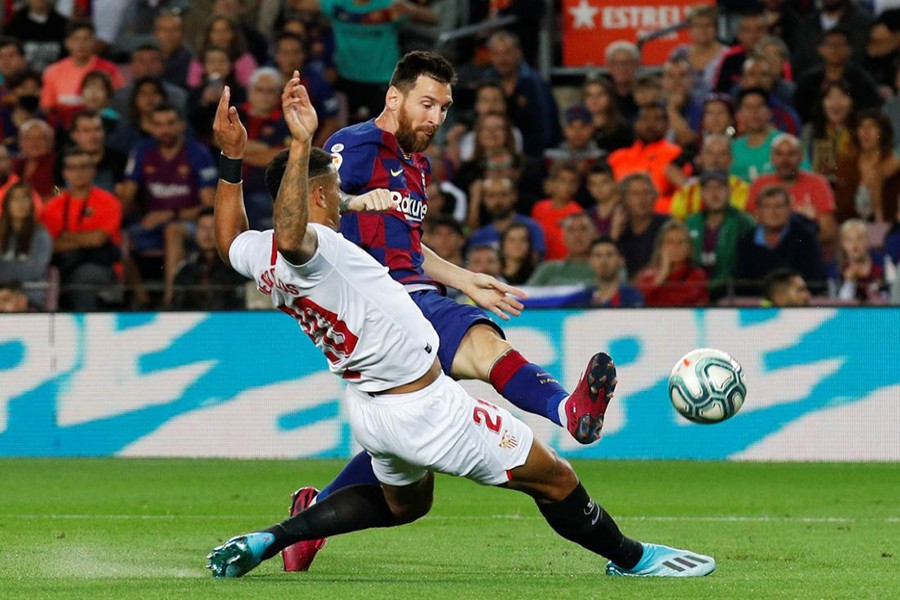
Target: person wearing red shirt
<point>810,193</point>
<point>562,184</point>
<point>85,223</point>
<point>672,279</point>
<point>650,154</point>
<point>61,92</point>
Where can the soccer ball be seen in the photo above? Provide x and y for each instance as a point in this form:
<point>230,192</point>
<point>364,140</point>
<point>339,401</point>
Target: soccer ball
<point>707,386</point>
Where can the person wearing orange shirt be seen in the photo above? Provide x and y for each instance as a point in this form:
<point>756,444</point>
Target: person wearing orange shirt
<point>61,92</point>
<point>650,154</point>
<point>562,184</point>
<point>85,223</point>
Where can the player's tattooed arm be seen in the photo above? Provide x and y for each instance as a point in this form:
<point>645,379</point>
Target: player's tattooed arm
<point>487,292</point>
<point>294,239</point>
<point>230,215</point>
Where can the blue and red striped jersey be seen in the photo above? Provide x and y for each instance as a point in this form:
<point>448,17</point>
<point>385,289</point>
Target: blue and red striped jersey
<point>369,158</point>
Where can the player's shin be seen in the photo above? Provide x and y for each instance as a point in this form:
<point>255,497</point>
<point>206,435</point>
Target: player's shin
<point>581,520</point>
<point>527,385</point>
<point>350,509</point>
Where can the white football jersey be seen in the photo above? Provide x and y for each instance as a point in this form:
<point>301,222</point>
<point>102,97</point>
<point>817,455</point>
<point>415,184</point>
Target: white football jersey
<point>372,333</point>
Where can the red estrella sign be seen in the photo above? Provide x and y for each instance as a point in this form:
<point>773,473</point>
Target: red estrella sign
<point>589,26</point>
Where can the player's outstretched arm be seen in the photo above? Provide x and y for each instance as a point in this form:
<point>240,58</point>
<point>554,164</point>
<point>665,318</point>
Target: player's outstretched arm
<point>291,215</point>
<point>487,292</point>
<point>378,200</point>
<point>231,137</point>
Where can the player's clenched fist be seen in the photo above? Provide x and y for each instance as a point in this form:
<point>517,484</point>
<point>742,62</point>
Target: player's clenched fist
<point>299,113</point>
<point>378,200</point>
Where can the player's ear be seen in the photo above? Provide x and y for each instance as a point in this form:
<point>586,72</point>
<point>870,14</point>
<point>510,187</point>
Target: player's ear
<point>393,98</point>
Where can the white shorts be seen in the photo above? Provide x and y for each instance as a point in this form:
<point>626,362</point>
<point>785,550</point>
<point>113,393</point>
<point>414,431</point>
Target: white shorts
<point>440,428</point>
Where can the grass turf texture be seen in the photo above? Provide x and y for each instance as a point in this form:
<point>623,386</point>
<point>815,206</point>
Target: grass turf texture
<point>118,528</point>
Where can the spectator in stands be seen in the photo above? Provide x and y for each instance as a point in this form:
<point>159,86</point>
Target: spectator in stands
<point>718,116</point>
<point>785,287</point>
<point>224,33</point>
<point>648,91</point>
<point>775,51</point>
<point>715,155</point>
<point>237,11</point>
<point>88,134</point>
<point>489,99</point>
<point>781,239</point>
<point>783,22</point>
<point>291,53</point>
<point>218,72</point>
<point>563,182</point>
<point>21,104</point>
<point>518,259</point>
<point>147,61</point>
<point>12,298</point>
<point>651,154</point>
<point>622,61</point>
<point>868,178</point>
<point>611,130</point>
<point>834,48</point>
<point>704,51</point>
<point>751,29</point>
<point>810,193</point>
<point>37,163</point>
<point>494,144</point>
<point>266,133</point>
<point>577,232</point>
<point>499,195</point>
<point>858,273</point>
<point>752,150</point>
<point>367,47</point>
<point>757,73</point>
<point>25,245</point>
<point>607,290</point>
<point>605,210</point>
<point>826,139</point>
<point>41,29</point>
<point>12,61</point>
<point>641,225</point>
<point>672,278</point>
<point>62,80</point>
<point>814,28</point>
<point>169,33</point>
<point>484,259</point>
<point>85,223</point>
<point>578,146</point>
<point>137,122</point>
<point>96,95</point>
<point>9,179</point>
<point>169,180</point>
<point>203,281</point>
<point>716,229</point>
<point>682,107</point>
<point>445,236</point>
<point>529,101</point>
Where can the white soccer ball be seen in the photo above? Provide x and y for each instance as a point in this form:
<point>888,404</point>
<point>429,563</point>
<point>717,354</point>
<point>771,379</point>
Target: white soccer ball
<point>707,386</point>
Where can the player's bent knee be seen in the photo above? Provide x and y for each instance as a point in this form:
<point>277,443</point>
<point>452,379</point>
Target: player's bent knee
<point>478,351</point>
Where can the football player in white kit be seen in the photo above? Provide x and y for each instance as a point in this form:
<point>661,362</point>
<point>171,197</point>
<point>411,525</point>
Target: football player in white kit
<point>403,410</point>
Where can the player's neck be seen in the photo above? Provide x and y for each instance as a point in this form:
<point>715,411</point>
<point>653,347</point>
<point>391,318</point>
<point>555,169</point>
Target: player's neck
<point>320,217</point>
<point>387,121</point>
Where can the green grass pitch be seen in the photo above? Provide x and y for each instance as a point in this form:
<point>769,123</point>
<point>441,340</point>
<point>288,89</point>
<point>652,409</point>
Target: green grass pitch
<point>121,528</point>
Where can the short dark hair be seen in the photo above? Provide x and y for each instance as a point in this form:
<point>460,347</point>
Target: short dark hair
<point>422,63</point>
<point>206,211</point>
<point>147,46</point>
<point>839,31</point>
<point>605,239</point>
<point>17,79</point>
<point>8,40</point>
<point>776,280</point>
<point>448,222</point>
<point>601,167</point>
<point>75,152</point>
<point>289,35</point>
<point>320,163</point>
<point>77,25</point>
<point>164,107</point>
<point>560,166</point>
<point>753,91</point>
<point>771,191</point>
<point>84,113</point>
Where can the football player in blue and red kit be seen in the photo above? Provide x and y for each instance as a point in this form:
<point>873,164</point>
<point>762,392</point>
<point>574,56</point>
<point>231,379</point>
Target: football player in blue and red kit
<point>388,152</point>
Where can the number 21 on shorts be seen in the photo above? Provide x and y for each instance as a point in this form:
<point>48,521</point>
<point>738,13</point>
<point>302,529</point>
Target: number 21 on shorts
<point>485,414</point>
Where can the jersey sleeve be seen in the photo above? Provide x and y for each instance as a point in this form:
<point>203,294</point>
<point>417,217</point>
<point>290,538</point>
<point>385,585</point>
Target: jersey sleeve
<point>355,161</point>
<point>250,252</point>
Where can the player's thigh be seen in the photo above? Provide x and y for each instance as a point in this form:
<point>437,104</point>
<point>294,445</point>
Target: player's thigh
<point>477,352</point>
<point>544,476</point>
<point>410,502</point>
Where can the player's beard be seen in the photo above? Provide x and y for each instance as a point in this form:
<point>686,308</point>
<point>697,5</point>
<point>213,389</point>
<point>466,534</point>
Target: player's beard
<point>412,140</point>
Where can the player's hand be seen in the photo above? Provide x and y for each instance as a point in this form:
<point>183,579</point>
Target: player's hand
<point>230,134</point>
<point>491,294</point>
<point>378,200</point>
<point>299,114</point>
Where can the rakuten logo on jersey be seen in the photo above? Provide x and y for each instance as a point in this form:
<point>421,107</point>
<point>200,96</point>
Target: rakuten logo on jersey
<point>412,208</point>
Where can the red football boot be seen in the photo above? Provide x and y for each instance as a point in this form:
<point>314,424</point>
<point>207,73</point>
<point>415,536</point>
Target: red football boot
<point>586,406</point>
<point>299,556</point>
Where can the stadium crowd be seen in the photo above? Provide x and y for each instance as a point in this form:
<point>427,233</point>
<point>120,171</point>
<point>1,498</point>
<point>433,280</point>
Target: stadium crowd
<point>761,168</point>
